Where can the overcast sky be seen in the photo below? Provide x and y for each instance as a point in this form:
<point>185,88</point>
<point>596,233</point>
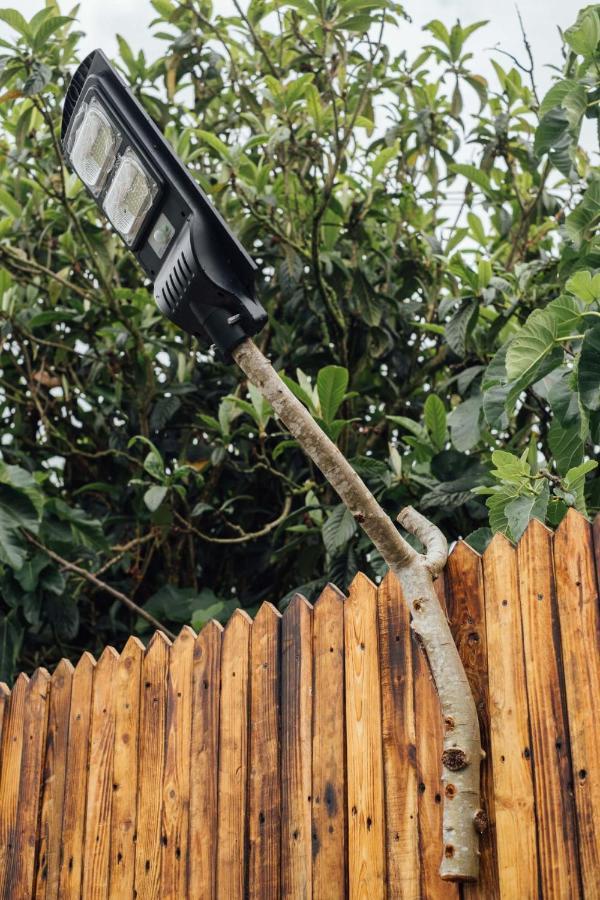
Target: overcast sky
<point>102,19</point>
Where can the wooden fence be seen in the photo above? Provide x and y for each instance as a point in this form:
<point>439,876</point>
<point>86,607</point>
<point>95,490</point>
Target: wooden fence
<point>298,755</point>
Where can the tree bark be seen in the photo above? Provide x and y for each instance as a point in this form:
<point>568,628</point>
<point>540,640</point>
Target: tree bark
<point>462,754</point>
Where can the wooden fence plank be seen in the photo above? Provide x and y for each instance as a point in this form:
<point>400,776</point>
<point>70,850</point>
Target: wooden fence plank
<point>399,751</point>
<point>176,782</point>
<point>465,602</point>
<point>21,874</point>
<point>100,778</point>
<point>125,770</point>
<point>76,776</point>
<point>296,741</point>
<point>596,537</point>
<point>366,813</point>
<point>429,743</point>
<point>509,724</point>
<point>264,794</point>
<point>53,782</point>
<point>328,748</point>
<point>153,715</point>
<point>233,757</point>
<point>4,698</point>
<point>12,748</point>
<point>579,613</point>
<point>555,814</point>
<point>204,761</point>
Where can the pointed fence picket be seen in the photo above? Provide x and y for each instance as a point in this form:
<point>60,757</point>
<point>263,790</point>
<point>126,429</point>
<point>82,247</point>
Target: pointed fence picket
<point>298,754</point>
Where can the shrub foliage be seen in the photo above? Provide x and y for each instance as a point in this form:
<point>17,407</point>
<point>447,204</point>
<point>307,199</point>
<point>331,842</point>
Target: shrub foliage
<point>429,260</point>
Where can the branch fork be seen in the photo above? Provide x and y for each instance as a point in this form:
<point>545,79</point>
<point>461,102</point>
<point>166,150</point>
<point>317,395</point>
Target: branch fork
<point>463,820</point>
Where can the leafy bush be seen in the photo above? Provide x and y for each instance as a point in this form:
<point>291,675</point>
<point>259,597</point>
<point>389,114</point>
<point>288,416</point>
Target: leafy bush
<point>432,279</point>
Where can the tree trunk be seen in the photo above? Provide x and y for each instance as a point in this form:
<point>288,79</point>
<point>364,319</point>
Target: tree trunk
<point>461,757</point>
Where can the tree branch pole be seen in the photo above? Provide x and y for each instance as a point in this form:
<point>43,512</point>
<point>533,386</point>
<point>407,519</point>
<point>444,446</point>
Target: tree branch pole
<point>463,819</point>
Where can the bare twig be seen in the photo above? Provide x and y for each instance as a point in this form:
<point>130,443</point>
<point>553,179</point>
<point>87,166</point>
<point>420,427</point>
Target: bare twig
<point>101,585</point>
<point>243,538</point>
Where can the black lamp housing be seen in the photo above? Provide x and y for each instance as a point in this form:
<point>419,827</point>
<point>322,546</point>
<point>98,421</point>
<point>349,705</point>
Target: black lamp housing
<point>203,278</point>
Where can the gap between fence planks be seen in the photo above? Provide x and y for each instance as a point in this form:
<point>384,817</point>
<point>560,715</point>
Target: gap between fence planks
<point>298,755</point>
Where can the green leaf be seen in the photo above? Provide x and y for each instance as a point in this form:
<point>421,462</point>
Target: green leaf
<point>14,18</point>
<point>575,482</point>
<point>39,77</point>
<point>175,604</point>
<point>12,547</point>
<point>208,137</point>
<point>550,131</point>
<point>409,425</point>
<point>566,445</point>
<point>522,509</point>
<point>460,326</point>
<point>29,573</point>
<point>332,382</point>
<point>479,539</point>
<point>63,614</point>
<point>584,285</point>
<point>474,175</point>
<point>555,96</point>
<point>126,53</point>
<point>538,336</point>
<point>383,158</point>
<point>10,204</point>
<point>464,424</point>
<point>584,35</point>
<point>510,468</point>
<point>11,639</point>
<point>588,370</point>
<point>154,496</point>
<point>435,421</point>
<point>580,223</point>
<point>303,395</point>
<point>338,529</point>
<point>220,610</point>
<point>47,28</point>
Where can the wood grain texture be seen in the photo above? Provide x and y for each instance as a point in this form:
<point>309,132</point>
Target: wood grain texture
<point>264,789</point>
<point>125,770</point>
<point>176,781</point>
<point>364,752</point>
<point>579,614</point>
<point>509,725</point>
<point>76,778</point>
<point>399,750</point>
<point>153,716</point>
<point>296,743</point>
<point>10,770</point>
<point>233,758</point>
<point>53,781</point>
<point>23,857</point>
<point>204,768</point>
<point>100,778</point>
<point>328,748</point>
<point>465,603</point>
<point>555,813</point>
<point>429,744</point>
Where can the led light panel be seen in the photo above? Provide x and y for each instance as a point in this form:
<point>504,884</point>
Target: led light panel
<point>129,196</point>
<point>93,145</point>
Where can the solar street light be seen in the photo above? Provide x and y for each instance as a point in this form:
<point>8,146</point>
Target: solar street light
<point>203,278</point>
<point>204,282</point>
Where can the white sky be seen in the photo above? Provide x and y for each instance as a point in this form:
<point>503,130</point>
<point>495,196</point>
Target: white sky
<point>102,19</point>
